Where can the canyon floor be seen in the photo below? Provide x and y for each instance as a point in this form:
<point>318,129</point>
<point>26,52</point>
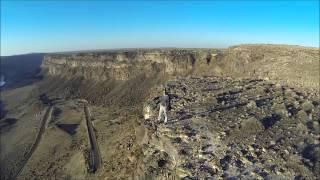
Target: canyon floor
<point>218,128</point>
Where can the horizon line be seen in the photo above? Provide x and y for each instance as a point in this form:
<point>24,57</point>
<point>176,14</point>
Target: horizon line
<point>168,47</point>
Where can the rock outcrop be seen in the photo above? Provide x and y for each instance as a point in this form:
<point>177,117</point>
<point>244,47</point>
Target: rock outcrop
<point>220,128</point>
<point>288,65</point>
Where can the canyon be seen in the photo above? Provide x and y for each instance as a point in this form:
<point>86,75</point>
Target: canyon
<point>247,111</point>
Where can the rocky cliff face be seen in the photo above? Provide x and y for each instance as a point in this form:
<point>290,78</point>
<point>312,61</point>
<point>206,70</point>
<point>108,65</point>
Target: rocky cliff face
<point>291,65</point>
<point>124,65</point>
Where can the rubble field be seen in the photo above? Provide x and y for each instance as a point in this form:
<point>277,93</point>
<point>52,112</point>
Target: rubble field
<point>230,129</point>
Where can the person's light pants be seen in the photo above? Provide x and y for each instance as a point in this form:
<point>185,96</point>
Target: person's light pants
<point>163,110</point>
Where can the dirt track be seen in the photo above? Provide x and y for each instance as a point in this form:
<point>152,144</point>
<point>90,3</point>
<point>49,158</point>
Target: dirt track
<point>44,122</point>
<point>95,157</point>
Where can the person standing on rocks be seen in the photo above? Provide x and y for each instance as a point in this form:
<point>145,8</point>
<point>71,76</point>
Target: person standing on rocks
<point>164,104</point>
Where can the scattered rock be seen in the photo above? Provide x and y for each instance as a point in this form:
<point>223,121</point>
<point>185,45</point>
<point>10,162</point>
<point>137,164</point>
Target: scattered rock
<point>307,106</point>
<point>250,132</point>
<point>269,121</point>
<point>251,125</point>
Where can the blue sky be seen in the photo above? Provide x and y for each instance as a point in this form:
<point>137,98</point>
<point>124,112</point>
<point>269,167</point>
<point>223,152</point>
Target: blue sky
<point>50,26</point>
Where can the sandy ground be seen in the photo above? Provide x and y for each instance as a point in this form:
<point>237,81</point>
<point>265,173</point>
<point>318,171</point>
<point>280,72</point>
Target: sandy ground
<point>18,127</point>
<point>59,150</point>
<point>64,149</point>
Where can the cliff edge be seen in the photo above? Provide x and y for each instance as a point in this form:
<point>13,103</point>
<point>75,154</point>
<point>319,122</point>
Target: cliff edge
<point>291,65</point>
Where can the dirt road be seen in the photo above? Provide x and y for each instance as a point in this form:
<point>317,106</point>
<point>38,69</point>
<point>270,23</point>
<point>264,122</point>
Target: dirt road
<point>46,118</point>
<point>95,156</point>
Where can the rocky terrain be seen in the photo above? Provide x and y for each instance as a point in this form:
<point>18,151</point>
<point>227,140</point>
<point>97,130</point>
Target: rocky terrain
<point>223,128</point>
<point>248,111</point>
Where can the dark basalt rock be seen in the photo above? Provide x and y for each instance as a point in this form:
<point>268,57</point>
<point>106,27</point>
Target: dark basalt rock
<point>269,121</point>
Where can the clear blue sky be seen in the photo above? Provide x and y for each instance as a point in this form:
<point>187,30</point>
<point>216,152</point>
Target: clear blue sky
<point>49,26</point>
